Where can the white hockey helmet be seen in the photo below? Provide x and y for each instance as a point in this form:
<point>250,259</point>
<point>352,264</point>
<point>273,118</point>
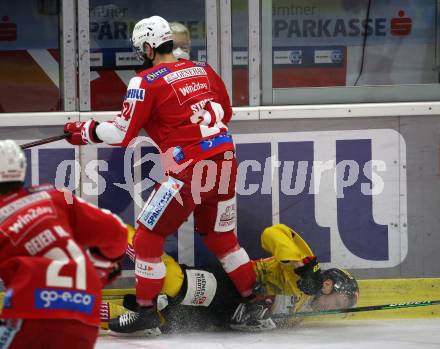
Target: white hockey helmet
<point>12,162</point>
<point>152,30</point>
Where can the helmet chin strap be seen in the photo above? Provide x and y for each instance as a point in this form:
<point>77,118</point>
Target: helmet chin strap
<point>148,63</point>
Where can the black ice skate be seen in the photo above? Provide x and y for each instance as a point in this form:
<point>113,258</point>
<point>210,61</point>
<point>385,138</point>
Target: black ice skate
<point>253,316</point>
<point>130,302</point>
<point>143,322</point>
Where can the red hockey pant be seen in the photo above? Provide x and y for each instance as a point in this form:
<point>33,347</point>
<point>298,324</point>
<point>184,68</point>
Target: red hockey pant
<point>47,334</point>
<point>206,188</point>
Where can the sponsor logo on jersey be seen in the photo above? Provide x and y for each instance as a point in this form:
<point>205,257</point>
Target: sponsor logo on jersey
<point>17,205</point>
<point>46,298</point>
<point>156,206</point>
<point>18,226</point>
<point>225,220</point>
<point>201,288</point>
<point>31,215</point>
<point>156,74</point>
<point>184,74</point>
<point>199,295</point>
<point>135,94</point>
<point>150,270</point>
<point>190,88</point>
<point>208,144</point>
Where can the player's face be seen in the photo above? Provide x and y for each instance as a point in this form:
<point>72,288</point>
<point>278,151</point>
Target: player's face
<point>181,40</point>
<point>330,301</point>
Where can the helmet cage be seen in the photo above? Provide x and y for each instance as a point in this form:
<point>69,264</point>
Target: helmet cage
<point>140,54</point>
<point>343,283</point>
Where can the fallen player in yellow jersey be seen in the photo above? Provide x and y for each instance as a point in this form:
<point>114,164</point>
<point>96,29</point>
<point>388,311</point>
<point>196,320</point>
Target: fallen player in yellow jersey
<point>200,298</point>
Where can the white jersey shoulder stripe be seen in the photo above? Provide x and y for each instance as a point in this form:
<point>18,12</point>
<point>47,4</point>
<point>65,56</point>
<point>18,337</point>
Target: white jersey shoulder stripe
<point>114,132</point>
<point>17,205</point>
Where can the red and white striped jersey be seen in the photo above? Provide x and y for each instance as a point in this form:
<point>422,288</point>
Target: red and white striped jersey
<point>183,106</point>
<point>44,234</point>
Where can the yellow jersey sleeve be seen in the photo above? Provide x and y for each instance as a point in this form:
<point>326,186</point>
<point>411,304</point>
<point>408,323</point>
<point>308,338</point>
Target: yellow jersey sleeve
<point>284,243</point>
<point>276,277</point>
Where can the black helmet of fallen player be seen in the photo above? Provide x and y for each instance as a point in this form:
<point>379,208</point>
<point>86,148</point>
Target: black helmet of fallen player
<point>343,283</point>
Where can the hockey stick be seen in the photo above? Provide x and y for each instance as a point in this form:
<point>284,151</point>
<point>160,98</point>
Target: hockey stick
<point>358,309</point>
<point>44,141</point>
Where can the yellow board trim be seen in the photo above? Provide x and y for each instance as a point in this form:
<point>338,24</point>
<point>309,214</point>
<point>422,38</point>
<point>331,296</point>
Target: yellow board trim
<point>372,292</point>
<point>389,291</point>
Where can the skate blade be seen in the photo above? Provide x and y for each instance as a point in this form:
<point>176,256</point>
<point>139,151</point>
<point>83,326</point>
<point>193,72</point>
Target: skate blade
<point>151,332</point>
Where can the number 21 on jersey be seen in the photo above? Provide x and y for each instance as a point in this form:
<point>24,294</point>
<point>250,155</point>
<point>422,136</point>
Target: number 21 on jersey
<point>209,119</point>
<point>61,257</point>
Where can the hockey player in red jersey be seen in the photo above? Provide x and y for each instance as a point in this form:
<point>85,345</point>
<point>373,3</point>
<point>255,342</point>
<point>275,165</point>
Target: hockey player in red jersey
<point>56,253</point>
<point>185,109</point>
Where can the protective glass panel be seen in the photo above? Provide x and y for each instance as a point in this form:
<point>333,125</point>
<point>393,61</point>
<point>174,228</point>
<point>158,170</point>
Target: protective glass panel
<point>325,43</point>
<point>240,44</point>
<point>29,56</point>
<point>112,60</point>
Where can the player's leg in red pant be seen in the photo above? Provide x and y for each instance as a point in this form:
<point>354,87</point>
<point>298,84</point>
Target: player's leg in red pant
<point>47,334</point>
<point>168,207</point>
<point>215,219</point>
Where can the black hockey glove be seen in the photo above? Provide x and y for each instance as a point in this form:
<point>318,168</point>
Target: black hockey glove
<point>253,315</point>
<point>310,281</point>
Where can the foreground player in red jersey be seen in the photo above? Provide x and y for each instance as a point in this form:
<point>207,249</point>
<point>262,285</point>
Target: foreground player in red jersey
<point>185,109</point>
<point>56,253</point>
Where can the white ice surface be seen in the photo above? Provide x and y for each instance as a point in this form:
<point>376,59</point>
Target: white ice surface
<point>395,334</point>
